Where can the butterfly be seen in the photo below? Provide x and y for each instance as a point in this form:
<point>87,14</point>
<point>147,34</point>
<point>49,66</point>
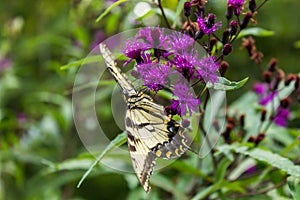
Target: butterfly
<point>151,133</point>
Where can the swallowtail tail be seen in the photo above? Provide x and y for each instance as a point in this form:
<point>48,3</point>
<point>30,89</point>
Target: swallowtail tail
<point>151,133</point>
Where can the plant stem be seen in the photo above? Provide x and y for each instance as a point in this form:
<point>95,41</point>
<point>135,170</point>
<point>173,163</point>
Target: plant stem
<point>163,14</point>
<point>261,5</point>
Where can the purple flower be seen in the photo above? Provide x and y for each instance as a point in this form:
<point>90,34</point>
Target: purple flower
<point>237,5</point>
<point>153,74</point>
<point>260,88</point>
<point>185,64</point>
<point>185,100</point>
<point>5,63</point>
<point>268,98</point>
<point>134,50</point>
<point>181,42</point>
<point>208,25</point>
<point>282,116</point>
<point>264,94</point>
<point>250,169</point>
<point>174,108</point>
<point>154,37</point>
<point>207,69</point>
<point>22,118</point>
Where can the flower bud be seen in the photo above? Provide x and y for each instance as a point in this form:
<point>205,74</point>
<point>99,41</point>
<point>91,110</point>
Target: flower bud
<point>252,5</point>
<point>272,65</point>
<point>231,120</point>
<point>242,120</point>
<point>259,138</point>
<point>223,67</point>
<point>251,139</point>
<point>267,76</point>
<point>187,9</point>
<point>213,41</point>
<point>227,49</point>
<point>284,103</point>
<point>211,20</point>
<point>229,12</point>
<point>263,115</point>
<point>246,20</point>
<point>289,79</point>
<point>297,82</point>
<point>233,27</point>
<point>226,133</point>
<point>225,37</point>
<point>279,78</point>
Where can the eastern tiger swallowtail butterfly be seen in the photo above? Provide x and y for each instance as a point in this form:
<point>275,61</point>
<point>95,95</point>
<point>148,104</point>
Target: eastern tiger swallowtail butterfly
<point>151,133</point>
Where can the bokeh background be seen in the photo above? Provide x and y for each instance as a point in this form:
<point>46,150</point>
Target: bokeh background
<point>38,38</point>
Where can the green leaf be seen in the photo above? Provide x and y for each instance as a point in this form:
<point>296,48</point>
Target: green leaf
<point>178,12</point>
<point>110,25</point>
<point>225,84</point>
<point>297,44</point>
<point>203,193</point>
<point>256,31</point>
<point>146,15</point>
<point>166,184</point>
<point>90,59</point>
<point>118,141</point>
<point>294,186</point>
<point>185,168</point>
<point>109,9</point>
<point>222,167</point>
<point>270,158</point>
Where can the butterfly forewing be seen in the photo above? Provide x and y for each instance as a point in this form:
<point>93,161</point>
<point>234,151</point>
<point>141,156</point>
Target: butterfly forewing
<point>121,79</point>
<point>150,132</point>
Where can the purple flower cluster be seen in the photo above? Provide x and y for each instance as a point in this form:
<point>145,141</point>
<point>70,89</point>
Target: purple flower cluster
<point>282,117</point>
<point>159,56</point>
<point>207,25</point>
<point>266,96</point>
<point>237,5</point>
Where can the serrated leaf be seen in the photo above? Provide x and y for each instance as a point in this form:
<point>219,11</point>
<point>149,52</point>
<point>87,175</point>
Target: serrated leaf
<point>116,142</point>
<point>226,85</point>
<point>112,6</point>
<point>256,31</point>
<point>268,157</point>
<point>294,186</point>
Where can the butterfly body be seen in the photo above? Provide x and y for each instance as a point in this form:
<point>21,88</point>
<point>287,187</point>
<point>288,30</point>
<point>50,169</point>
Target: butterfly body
<point>151,133</point>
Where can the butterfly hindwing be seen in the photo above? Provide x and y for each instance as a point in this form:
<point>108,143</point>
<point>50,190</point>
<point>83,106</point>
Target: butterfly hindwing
<point>143,160</point>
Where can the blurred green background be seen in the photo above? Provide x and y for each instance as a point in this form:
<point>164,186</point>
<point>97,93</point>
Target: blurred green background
<point>36,126</point>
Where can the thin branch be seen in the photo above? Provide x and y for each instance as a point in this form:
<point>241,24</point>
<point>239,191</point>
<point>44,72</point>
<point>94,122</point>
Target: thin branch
<point>261,5</point>
<point>163,14</point>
